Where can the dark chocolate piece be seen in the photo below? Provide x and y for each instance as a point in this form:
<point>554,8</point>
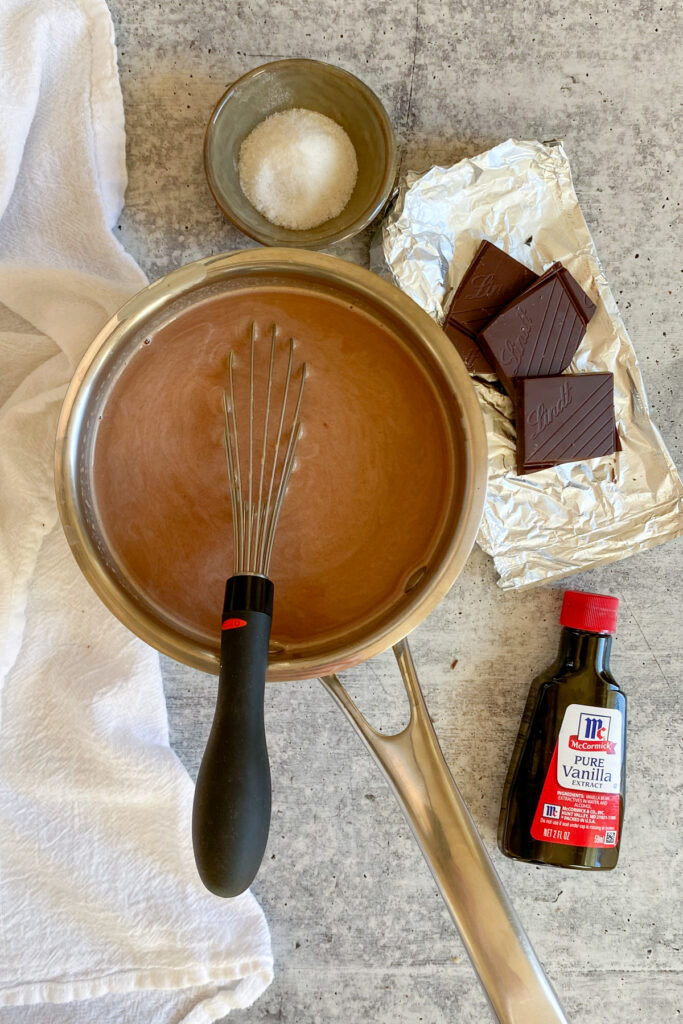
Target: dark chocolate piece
<point>537,335</point>
<point>490,282</point>
<point>564,418</point>
<point>466,345</point>
<point>583,302</point>
<point>585,306</point>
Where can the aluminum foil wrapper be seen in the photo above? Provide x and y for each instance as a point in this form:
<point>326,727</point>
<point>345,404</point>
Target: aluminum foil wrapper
<point>555,522</point>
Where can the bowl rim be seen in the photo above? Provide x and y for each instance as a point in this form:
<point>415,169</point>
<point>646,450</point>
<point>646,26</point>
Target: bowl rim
<point>388,179</point>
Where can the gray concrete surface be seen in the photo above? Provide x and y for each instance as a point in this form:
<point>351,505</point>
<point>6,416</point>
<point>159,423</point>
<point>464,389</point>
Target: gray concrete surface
<point>359,931</point>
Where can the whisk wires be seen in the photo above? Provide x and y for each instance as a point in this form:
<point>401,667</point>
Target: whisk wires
<point>257,501</point>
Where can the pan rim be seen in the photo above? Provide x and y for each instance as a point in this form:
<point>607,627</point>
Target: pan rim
<point>175,285</point>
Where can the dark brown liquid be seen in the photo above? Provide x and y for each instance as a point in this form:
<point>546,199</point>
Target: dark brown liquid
<point>369,495</point>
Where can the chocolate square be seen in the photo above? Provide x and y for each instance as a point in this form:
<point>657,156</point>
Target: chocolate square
<point>564,418</point>
<point>583,302</point>
<point>490,282</point>
<point>585,306</point>
<point>466,345</point>
<point>537,334</point>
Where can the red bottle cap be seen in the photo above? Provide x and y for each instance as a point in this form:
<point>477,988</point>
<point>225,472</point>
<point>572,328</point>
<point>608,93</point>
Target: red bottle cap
<point>596,613</point>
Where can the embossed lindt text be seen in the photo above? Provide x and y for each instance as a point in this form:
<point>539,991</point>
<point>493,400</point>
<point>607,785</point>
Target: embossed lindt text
<point>542,416</point>
<point>485,286</point>
<point>513,349</point>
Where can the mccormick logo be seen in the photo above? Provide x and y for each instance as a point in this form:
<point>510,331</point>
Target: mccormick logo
<point>593,734</point>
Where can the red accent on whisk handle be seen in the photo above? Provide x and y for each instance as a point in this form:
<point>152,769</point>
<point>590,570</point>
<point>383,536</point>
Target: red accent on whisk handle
<point>231,812</point>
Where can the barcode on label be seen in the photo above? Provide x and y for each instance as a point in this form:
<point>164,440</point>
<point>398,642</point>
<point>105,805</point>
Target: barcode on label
<point>610,837</point>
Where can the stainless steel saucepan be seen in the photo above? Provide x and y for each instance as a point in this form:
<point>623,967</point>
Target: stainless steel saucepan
<point>412,761</point>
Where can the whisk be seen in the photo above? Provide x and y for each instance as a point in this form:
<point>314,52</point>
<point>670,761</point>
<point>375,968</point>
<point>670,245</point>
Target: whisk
<point>231,812</point>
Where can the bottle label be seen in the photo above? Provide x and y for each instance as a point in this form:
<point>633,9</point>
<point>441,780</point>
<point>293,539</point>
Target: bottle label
<point>579,803</point>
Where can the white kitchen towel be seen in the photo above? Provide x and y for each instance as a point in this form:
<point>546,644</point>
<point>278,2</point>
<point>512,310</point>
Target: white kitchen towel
<point>99,897</point>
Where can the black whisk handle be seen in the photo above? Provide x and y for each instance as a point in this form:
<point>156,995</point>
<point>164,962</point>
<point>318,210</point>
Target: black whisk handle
<point>231,812</point>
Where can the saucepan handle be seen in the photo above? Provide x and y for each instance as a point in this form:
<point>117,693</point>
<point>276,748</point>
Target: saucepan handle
<point>494,938</point>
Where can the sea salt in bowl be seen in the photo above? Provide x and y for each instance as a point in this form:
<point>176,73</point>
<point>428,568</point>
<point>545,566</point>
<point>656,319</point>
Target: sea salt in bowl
<point>312,85</point>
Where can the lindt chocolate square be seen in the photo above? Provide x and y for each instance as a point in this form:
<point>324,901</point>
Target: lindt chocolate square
<point>585,306</point>
<point>564,418</point>
<point>466,346</point>
<point>490,282</point>
<point>537,334</point>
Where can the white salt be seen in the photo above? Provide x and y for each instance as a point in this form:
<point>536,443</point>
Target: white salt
<point>298,168</point>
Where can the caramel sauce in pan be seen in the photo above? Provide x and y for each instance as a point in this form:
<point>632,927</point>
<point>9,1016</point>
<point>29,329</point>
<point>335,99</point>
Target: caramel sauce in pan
<point>370,491</point>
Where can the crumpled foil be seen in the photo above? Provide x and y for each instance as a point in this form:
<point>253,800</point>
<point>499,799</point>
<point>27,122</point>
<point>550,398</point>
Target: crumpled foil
<point>560,521</point>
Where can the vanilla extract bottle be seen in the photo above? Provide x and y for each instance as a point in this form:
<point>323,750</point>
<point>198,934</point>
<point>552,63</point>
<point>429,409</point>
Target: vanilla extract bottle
<point>563,799</point>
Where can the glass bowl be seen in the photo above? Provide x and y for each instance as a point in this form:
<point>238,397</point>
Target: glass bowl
<point>313,85</point>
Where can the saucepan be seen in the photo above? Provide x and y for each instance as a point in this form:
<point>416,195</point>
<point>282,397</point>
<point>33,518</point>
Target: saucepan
<point>411,761</point>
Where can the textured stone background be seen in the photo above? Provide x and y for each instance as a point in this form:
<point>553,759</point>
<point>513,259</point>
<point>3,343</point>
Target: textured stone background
<point>359,931</point>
